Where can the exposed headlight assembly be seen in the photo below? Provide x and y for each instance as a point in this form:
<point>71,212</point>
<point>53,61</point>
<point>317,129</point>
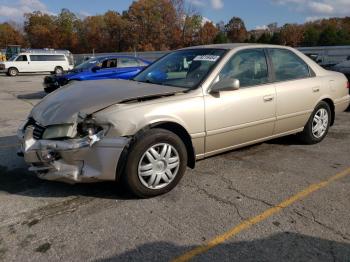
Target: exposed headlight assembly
<point>94,132</point>
<point>59,131</point>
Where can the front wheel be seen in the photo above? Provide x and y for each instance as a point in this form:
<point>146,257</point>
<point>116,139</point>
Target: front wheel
<point>317,127</point>
<point>12,71</point>
<point>156,163</point>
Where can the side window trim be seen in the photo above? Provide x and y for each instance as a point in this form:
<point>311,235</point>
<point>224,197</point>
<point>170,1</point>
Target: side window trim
<point>270,72</point>
<point>268,52</point>
<point>272,75</point>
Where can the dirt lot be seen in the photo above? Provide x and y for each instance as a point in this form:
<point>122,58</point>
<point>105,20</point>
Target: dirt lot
<point>48,221</point>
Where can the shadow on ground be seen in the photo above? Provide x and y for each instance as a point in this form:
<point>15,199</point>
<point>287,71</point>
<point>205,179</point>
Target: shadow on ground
<point>283,246</point>
<point>36,95</point>
<point>286,140</point>
<point>16,179</point>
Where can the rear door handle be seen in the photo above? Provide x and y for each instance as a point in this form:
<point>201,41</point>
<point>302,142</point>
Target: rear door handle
<point>268,98</point>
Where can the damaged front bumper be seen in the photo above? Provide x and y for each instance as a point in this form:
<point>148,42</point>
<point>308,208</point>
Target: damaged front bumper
<point>87,159</point>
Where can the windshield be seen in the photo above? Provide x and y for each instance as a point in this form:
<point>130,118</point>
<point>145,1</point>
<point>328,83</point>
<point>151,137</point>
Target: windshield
<point>13,58</point>
<point>87,64</point>
<point>183,68</point>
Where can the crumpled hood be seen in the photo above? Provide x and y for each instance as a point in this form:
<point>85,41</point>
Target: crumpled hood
<point>87,97</point>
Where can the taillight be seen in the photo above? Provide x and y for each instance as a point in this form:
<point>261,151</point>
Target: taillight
<point>348,85</point>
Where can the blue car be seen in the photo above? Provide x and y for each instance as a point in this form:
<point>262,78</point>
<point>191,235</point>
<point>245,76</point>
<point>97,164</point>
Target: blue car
<point>103,67</point>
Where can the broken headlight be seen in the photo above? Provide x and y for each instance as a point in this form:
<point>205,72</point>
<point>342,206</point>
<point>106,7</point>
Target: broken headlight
<point>91,130</point>
<point>87,128</point>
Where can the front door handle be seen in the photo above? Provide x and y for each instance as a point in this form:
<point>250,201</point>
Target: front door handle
<point>316,89</point>
<point>268,98</point>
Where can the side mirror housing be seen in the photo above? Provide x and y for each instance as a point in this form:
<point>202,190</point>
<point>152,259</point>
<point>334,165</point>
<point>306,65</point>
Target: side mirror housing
<point>227,84</point>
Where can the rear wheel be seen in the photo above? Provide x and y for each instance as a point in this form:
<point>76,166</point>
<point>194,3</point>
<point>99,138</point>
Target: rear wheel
<point>58,70</point>
<point>317,127</point>
<point>156,163</point>
<point>12,71</point>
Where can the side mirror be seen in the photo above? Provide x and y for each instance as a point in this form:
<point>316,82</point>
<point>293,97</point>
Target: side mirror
<point>226,84</point>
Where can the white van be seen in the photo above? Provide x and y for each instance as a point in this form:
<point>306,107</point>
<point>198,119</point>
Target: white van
<point>36,62</point>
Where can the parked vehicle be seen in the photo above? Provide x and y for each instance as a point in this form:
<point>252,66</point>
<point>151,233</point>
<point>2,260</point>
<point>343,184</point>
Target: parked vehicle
<point>191,104</point>
<point>104,67</point>
<point>327,56</point>
<point>343,67</point>
<point>37,61</point>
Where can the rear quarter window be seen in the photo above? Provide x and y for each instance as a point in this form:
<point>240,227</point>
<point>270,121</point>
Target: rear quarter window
<point>287,65</point>
<point>127,62</point>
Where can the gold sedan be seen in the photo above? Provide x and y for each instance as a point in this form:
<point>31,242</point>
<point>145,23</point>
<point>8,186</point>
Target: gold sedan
<point>191,104</point>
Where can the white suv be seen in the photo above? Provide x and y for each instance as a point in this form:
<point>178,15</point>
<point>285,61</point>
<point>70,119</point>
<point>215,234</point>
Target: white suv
<point>36,62</point>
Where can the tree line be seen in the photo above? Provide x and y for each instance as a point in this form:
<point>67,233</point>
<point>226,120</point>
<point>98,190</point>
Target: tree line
<point>150,25</point>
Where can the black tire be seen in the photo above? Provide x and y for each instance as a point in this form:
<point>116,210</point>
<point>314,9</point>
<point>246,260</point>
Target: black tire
<point>12,71</point>
<point>307,136</point>
<point>142,143</point>
<point>58,70</point>
<point>50,89</point>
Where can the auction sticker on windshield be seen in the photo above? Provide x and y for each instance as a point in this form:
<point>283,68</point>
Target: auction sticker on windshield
<point>211,58</point>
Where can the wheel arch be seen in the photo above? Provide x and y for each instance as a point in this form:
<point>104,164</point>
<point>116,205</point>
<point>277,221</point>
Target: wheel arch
<point>173,127</point>
<point>332,107</point>
<point>182,133</point>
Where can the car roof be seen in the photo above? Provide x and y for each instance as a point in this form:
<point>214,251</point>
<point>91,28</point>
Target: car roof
<point>230,46</point>
<point>28,53</point>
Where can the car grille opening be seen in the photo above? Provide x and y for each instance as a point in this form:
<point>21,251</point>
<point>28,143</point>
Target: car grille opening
<point>38,129</point>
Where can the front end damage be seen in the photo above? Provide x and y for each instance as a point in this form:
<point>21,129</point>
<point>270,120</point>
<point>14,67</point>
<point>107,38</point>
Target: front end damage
<point>83,153</point>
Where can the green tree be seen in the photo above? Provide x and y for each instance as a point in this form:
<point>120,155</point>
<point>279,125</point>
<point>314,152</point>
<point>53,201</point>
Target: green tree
<point>191,30</point>
<point>276,38</point>
<point>252,39</point>
<point>65,23</point>
<point>265,38</point>
<point>328,36</point>
<point>220,38</point>
<point>236,30</point>
<point>311,36</point>
<point>343,36</point>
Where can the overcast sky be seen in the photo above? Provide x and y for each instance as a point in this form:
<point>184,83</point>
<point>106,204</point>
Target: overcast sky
<point>255,13</point>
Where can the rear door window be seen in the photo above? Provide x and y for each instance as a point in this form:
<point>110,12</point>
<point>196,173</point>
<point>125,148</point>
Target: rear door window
<point>287,65</point>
